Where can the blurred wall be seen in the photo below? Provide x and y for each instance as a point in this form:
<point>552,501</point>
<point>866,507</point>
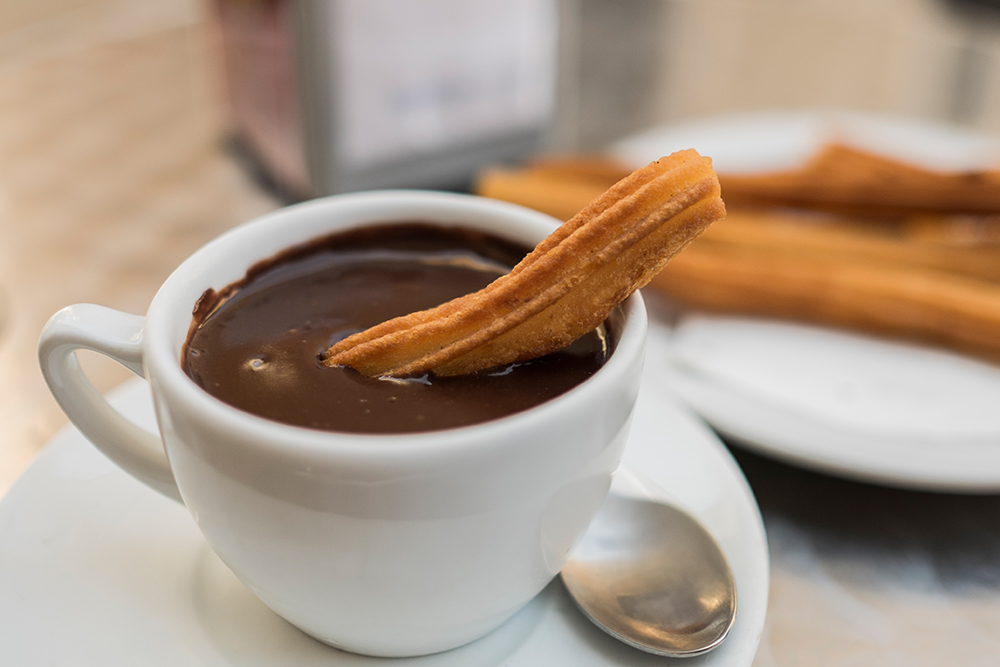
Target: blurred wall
<point>918,58</point>
<point>628,65</point>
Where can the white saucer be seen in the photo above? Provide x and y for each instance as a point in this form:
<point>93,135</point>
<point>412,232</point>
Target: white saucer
<point>842,403</point>
<point>96,569</point>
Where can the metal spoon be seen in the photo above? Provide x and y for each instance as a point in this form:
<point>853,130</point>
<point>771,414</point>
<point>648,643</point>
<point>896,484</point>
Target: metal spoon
<point>648,574</point>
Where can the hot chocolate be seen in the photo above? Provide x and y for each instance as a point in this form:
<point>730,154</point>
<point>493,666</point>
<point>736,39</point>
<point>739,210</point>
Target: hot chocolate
<point>257,343</point>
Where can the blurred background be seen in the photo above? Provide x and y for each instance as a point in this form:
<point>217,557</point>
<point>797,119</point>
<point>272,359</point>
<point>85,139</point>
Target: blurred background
<point>337,96</point>
<point>132,131</point>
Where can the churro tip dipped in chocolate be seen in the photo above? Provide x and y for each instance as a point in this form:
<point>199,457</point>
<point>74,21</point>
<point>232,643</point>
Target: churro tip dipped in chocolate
<point>564,288</point>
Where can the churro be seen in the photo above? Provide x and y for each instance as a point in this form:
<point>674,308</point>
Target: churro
<point>561,290</point>
<point>848,180</point>
<point>919,304</point>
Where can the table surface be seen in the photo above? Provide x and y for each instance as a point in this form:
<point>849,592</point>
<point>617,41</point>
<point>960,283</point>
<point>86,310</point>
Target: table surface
<point>115,168</point>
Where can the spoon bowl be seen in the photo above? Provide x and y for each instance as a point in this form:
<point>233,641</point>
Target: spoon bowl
<point>651,576</point>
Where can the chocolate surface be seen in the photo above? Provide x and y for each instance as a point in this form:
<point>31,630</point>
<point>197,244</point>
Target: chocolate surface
<point>256,344</point>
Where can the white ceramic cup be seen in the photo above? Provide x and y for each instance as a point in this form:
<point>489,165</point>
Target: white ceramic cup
<point>388,545</point>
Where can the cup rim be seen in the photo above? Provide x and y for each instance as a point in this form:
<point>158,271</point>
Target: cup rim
<point>167,376</point>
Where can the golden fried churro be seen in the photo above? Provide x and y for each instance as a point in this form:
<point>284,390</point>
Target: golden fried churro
<point>564,288</point>
<point>896,249</point>
<point>914,303</point>
<point>848,180</point>
<point>559,195</point>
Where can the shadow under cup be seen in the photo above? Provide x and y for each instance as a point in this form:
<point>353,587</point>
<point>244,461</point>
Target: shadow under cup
<point>388,545</point>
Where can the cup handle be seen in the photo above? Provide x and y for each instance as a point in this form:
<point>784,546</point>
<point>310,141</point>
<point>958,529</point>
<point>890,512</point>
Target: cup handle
<point>119,336</point>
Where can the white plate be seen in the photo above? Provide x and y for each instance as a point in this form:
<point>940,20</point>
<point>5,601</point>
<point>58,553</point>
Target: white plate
<point>841,403</point>
<point>96,569</point>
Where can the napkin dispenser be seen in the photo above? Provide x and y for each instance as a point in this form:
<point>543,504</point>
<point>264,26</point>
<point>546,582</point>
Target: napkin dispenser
<point>361,94</point>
